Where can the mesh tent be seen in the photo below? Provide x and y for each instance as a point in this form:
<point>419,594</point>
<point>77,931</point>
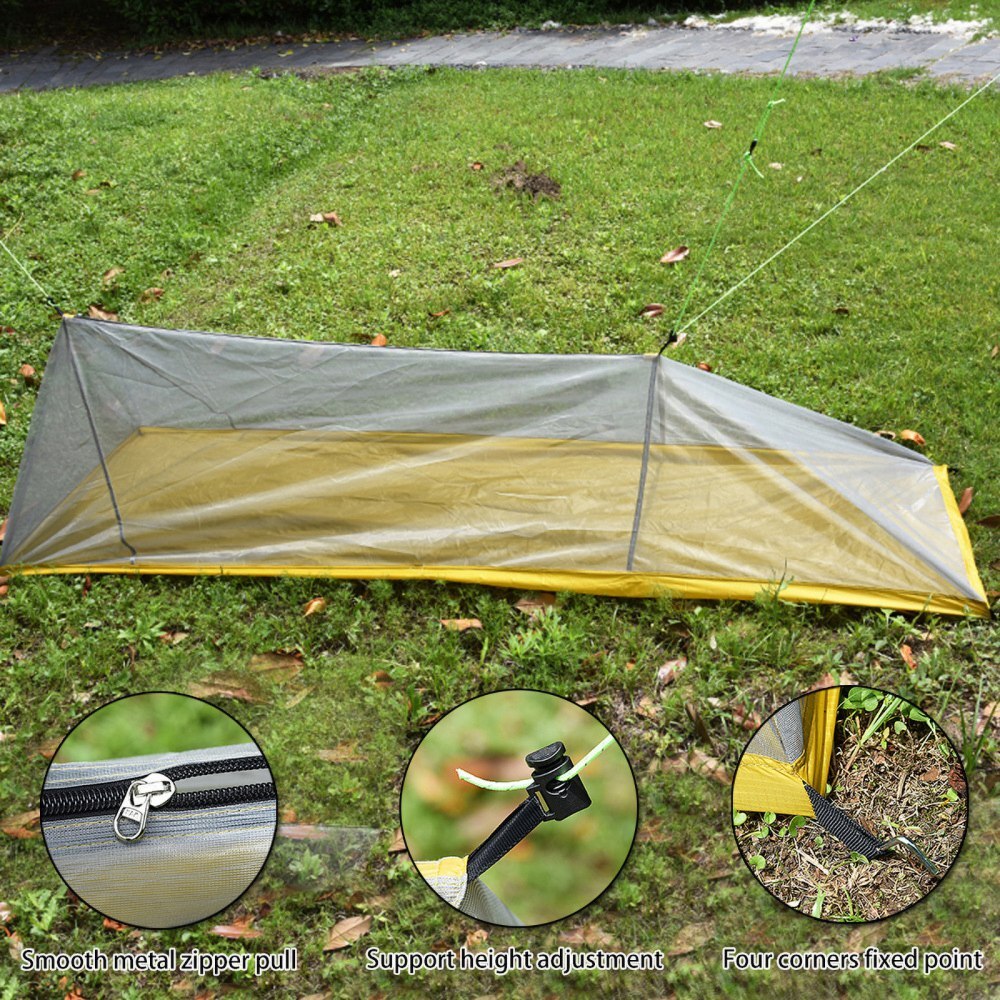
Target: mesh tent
<point>158,451</point>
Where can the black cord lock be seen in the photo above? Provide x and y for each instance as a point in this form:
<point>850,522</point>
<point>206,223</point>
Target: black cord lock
<point>558,799</point>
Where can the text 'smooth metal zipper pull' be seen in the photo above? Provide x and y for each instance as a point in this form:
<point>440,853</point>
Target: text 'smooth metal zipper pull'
<point>147,793</point>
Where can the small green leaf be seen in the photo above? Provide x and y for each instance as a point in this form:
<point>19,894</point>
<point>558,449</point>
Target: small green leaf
<point>817,908</point>
<point>783,832</point>
<point>855,856</point>
<point>899,726</point>
<point>870,704</point>
<point>951,795</point>
<point>739,818</point>
<point>758,862</point>
<point>761,834</point>
<point>769,818</point>
<point>796,823</point>
<point>918,716</point>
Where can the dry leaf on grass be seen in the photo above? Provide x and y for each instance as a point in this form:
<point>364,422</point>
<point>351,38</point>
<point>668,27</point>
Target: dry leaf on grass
<point>504,265</point>
<point>109,276</point>
<point>712,123</point>
<point>23,826</point>
<point>536,605</point>
<point>96,311</point>
<point>280,666</point>
<point>651,311</point>
<point>947,145</point>
<point>3,415</point>
<point>151,295</point>
<point>330,218</point>
<point>311,607</point>
<point>589,934</point>
<point>915,436</point>
<point>476,166</point>
<point>460,624</point>
<point>238,930</point>
<point>692,937</point>
<point>381,679</point>
<point>78,174</point>
<point>704,366</point>
<point>908,658</point>
<point>439,313</point>
<point>6,913</point>
<point>346,932</point>
<point>27,372</point>
<point>226,685</point>
<point>47,748</point>
<point>342,753</point>
<point>379,340</point>
<point>173,638</point>
<point>965,502</point>
<point>114,925</point>
<point>675,255</point>
<point>476,939</point>
<point>671,670</point>
<point>398,845</point>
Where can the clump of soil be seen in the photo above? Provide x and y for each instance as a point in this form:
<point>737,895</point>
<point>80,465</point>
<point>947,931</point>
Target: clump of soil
<point>517,177</point>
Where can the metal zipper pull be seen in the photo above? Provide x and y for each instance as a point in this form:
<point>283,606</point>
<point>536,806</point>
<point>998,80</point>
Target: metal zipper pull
<point>147,793</point>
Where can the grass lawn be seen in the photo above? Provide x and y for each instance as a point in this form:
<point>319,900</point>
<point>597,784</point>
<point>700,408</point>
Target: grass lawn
<point>885,317</point>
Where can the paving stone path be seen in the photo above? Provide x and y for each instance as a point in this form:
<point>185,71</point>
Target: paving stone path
<point>826,52</point>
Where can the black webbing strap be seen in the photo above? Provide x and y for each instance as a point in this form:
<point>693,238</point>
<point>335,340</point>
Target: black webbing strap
<point>837,822</point>
<point>505,837</point>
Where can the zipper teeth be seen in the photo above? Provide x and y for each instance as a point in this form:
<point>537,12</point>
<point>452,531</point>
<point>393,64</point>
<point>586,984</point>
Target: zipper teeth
<point>106,796</point>
<point>234,795</point>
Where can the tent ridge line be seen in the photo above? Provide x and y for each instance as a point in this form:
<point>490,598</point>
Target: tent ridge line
<point>100,450</point>
<point>647,434</point>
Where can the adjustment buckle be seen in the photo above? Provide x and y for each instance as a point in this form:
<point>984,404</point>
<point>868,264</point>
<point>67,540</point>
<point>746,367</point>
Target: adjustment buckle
<point>557,799</point>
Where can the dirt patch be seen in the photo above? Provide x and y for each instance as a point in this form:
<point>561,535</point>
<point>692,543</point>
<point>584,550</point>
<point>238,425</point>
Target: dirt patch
<point>516,177</point>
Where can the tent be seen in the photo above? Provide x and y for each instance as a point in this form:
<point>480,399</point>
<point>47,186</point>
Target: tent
<point>165,451</point>
<point>785,766</point>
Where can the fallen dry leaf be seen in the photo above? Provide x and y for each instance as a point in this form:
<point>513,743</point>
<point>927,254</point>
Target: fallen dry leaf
<point>476,166</point>
<point>707,766</point>
<point>671,670</point>
<point>226,685</point>
<point>342,753</point>
<point>915,436</point>
<point>287,665</point>
<point>23,826</point>
<point>460,624</point>
<point>330,218</point>
<point>345,932</point>
<point>96,311</point>
<point>109,276</point>
<point>776,166</point>
<point>908,658</point>
<point>692,937</point>
<point>398,844</point>
<point>651,311</point>
<point>536,605</point>
<point>298,697</point>
<point>646,708</point>
<point>311,607</point>
<point>379,340</point>
<point>965,502</point>
<point>675,255</point>
<point>438,315</point>
<point>114,925</point>
<point>704,366</point>
<point>866,936</point>
<point>747,719</point>
<point>381,679</point>
<point>15,946</point>
<point>47,748</point>
<point>503,265</point>
<point>589,934</point>
<point>476,939</point>
<point>994,352</point>
<point>173,638</point>
<point>27,372</point>
<point>932,775</point>
<point>6,913</point>
<point>151,295</point>
<point>238,930</point>
<point>712,123</point>
<point>78,174</point>
<point>3,415</point>
<point>947,145</point>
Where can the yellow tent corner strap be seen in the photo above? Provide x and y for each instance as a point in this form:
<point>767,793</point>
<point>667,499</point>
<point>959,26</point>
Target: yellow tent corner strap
<point>553,793</point>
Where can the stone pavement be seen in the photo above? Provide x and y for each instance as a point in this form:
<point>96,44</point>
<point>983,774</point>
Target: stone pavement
<point>824,52</point>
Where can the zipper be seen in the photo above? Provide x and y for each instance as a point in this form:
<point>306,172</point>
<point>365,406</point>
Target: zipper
<point>131,799</point>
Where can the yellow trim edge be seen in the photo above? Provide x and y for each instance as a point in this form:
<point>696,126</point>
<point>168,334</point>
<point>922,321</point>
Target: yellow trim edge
<point>606,584</point>
<point>961,534</point>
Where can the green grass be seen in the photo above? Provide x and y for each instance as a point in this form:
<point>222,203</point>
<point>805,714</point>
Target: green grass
<point>213,181</point>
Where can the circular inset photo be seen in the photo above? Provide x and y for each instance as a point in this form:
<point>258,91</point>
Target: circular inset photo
<point>158,810</point>
<point>849,804</point>
<point>519,808</point>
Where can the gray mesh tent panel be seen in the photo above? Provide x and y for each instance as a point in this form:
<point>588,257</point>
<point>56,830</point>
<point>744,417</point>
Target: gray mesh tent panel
<point>187,452</point>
